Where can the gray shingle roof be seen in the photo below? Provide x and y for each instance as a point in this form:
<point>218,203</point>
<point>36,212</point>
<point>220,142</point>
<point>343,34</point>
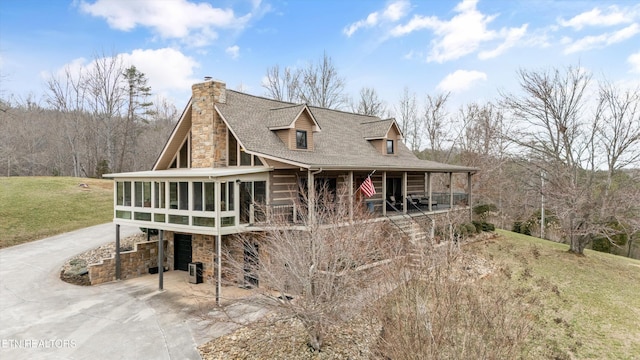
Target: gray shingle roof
<point>340,145</point>
<point>283,116</point>
<point>376,129</point>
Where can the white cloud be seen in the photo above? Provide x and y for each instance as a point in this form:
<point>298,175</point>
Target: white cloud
<point>461,35</point>
<point>600,41</point>
<point>634,61</point>
<point>167,70</point>
<point>194,23</point>
<point>233,51</point>
<point>595,17</point>
<point>392,13</point>
<point>460,80</point>
<point>511,37</point>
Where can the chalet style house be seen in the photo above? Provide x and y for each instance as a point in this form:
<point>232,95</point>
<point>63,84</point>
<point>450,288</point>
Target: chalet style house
<point>232,155</point>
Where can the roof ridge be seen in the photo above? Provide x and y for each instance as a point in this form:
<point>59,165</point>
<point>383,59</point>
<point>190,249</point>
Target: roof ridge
<point>287,107</point>
<point>340,111</point>
<point>263,97</point>
<point>375,121</point>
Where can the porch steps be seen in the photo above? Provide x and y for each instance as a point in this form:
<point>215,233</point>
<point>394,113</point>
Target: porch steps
<point>419,239</point>
<point>414,231</point>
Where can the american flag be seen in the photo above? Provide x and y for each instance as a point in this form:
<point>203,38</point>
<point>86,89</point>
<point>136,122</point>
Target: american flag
<point>367,187</point>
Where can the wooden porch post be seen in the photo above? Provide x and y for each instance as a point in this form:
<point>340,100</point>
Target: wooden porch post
<point>404,192</point>
<point>470,198</point>
<point>350,196</point>
<point>430,195</point>
<point>118,264</point>
<point>450,190</point>
<point>311,191</point>
<point>384,193</point>
<point>160,259</point>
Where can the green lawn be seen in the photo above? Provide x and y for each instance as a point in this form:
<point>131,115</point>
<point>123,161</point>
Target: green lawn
<point>32,208</point>
<point>589,306</point>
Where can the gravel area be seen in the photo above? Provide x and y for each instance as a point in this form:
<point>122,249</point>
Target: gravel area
<point>74,271</point>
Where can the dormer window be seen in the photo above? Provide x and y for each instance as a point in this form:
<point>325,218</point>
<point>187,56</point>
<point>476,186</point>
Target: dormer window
<point>390,147</point>
<point>301,139</point>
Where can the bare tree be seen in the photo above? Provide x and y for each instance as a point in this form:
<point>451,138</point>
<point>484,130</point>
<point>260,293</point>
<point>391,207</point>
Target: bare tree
<point>482,145</point>
<point>318,275</point>
<point>370,104</point>
<point>138,110</point>
<point>163,117</point>
<point>618,127</point>
<point>106,102</point>
<point>434,122</point>
<point>282,86</point>
<point>322,86</point>
<point>560,144</point>
<point>68,97</point>
<point>618,135</point>
<point>410,124</point>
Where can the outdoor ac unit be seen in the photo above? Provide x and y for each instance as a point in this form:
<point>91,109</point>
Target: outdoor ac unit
<point>195,272</point>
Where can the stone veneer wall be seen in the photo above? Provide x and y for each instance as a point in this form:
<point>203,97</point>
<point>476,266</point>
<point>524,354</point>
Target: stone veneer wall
<point>168,237</point>
<point>132,263</point>
<point>208,131</point>
<point>203,250</point>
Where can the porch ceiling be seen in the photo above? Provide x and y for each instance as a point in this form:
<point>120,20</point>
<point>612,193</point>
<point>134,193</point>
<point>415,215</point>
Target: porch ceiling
<point>190,173</point>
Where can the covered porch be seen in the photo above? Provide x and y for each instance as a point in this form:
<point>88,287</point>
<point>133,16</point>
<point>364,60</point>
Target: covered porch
<point>396,192</point>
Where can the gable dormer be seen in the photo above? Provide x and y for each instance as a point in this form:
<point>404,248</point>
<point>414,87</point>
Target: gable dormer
<point>295,126</point>
<point>383,135</point>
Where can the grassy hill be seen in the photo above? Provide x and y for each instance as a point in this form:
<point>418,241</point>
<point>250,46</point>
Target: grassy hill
<point>32,208</point>
<point>588,306</point>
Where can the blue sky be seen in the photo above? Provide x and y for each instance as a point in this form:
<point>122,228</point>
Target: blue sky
<point>471,48</point>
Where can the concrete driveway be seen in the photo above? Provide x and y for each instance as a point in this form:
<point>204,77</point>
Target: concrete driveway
<point>42,317</point>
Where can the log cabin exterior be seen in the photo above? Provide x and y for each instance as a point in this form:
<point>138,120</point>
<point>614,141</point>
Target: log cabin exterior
<point>235,159</point>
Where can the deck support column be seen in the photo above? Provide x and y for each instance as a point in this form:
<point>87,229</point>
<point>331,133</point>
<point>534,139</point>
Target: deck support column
<point>160,259</point>
<point>217,199</point>
<point>118,264</point>
<point>218,268</point>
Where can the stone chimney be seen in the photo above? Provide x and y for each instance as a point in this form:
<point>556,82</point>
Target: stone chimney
<point>208,131</point>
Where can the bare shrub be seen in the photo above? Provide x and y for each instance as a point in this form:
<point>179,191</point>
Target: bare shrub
<point>320,270</point>
<point>437,315</point>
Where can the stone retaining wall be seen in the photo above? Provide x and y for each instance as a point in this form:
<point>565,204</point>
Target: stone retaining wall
<point>132,263</point>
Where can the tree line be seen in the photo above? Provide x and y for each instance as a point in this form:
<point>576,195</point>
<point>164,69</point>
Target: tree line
<point>93,120</point>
